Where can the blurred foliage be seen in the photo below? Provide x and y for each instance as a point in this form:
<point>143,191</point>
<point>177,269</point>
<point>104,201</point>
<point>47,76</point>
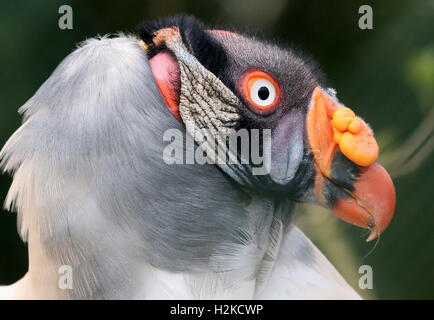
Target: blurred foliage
<point>420,71</point>
<point>385,74</point>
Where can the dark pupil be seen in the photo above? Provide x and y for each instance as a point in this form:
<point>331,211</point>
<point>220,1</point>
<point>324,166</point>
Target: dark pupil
<point>263,93</point>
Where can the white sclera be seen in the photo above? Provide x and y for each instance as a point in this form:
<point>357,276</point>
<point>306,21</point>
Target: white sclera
<point>254,90</point>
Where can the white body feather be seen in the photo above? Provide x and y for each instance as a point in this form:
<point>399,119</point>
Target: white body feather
<point>77,165</point>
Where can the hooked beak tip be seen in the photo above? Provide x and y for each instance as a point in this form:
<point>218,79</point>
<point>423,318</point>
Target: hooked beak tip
<point>373,235</point>
<point>373,201</point>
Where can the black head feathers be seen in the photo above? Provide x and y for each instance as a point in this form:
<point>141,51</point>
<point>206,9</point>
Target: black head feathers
<point>195,36</point>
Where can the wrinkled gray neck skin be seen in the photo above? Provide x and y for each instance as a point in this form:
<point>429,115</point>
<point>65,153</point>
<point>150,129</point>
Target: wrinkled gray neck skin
<point>209,110</point>
<point>92,190</point>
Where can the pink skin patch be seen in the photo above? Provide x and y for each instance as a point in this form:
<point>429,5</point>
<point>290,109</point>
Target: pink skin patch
<point>166,72</point>
<point>167,75</point>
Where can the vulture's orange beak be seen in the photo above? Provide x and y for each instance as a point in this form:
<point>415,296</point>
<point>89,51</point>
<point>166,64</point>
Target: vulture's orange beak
<point>345,153</point>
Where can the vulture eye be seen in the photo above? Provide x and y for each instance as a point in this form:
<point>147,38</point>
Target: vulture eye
<point>261,91</point>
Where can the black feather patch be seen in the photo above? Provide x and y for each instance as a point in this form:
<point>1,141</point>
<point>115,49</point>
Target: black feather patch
<point>194,36</point>
<point>344,171</point>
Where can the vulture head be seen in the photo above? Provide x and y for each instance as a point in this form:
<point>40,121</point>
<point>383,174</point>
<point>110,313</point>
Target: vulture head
<point>318,151</point>
<point>101,187</point>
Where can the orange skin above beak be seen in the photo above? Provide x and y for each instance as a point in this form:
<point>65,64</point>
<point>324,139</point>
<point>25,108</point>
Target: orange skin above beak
<point>333,129</point>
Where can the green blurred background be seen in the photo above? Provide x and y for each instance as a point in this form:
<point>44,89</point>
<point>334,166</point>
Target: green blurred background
<point>386,75</point>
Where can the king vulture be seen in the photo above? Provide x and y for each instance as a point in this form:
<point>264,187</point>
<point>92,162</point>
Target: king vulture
<point>94,193</point>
